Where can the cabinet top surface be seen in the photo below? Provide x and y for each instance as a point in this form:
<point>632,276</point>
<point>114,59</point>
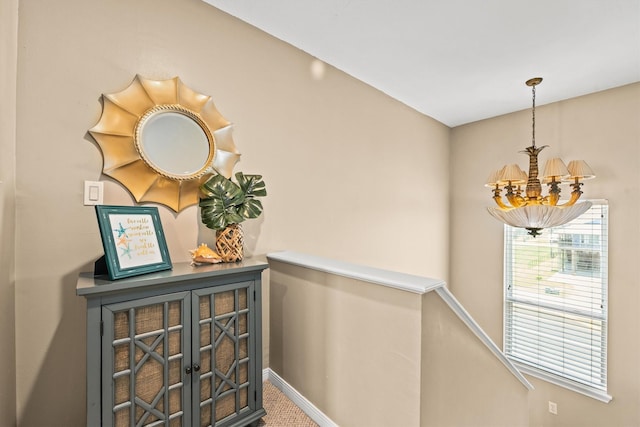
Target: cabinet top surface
<point>89,285</point>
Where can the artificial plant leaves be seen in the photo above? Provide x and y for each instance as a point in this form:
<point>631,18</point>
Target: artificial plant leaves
<point>229,203</point>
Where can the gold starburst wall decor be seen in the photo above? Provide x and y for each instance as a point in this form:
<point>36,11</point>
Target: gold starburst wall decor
<point>161,140</point>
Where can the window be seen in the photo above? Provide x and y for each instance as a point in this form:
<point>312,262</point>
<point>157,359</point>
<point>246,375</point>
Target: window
<point>555,324</point>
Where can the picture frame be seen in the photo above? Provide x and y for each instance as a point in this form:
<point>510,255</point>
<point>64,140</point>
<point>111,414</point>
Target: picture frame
<point>133,240</point>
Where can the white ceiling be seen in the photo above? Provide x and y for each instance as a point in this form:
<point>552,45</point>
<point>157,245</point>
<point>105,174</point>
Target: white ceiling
<point>460,61</point>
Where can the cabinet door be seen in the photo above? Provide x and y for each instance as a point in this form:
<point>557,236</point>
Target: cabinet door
<point>145,348</point>
<point>223,348</point>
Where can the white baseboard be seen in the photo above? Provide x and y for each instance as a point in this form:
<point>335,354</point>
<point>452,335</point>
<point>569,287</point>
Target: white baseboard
<point>307,407</point>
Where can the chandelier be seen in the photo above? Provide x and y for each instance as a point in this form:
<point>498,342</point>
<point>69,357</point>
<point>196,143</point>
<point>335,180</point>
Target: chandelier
<point>528,208</point>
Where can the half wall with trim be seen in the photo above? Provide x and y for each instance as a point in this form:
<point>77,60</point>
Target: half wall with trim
<point>373,347</point>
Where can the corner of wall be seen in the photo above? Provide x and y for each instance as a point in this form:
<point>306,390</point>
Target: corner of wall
<point>8,77</point>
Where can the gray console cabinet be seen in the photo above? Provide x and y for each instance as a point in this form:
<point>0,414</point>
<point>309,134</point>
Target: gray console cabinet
<point>175,348</point>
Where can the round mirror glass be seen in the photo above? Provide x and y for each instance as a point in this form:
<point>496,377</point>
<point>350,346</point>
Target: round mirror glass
<point>174,143</point>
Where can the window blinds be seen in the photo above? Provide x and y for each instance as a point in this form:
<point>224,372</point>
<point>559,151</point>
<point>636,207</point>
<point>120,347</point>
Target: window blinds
<point>556,298</point>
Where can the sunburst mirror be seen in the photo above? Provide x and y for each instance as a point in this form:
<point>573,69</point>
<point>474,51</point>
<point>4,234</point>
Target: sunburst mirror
<point>161,140</point>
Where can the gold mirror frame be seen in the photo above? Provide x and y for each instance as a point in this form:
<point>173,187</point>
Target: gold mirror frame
<point>119,133</point>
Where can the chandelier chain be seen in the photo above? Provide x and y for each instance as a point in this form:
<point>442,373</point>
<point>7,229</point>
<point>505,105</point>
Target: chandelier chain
<point>533,116</point>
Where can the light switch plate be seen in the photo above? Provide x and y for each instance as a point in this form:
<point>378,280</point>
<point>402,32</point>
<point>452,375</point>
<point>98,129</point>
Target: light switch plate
<point>93,193</point>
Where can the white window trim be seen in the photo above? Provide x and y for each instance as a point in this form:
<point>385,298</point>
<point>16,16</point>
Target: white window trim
<point>563,382</point>
<point>557,380</point>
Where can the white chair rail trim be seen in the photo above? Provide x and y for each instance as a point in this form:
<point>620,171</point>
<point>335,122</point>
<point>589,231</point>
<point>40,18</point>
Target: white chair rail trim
<point>392,279</point>
<point>460,311</point>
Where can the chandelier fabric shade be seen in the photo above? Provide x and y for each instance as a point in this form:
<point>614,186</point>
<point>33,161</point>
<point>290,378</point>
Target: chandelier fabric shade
<point>555,169</point>
<point>527,207</point>
<point>580,169</point>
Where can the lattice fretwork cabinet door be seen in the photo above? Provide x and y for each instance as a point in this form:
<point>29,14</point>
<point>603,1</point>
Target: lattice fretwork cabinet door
<point>225,387</point>
<point>146,349</point>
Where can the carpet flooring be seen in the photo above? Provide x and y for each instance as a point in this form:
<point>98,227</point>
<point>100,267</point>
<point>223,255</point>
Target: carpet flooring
<point>281,411</point>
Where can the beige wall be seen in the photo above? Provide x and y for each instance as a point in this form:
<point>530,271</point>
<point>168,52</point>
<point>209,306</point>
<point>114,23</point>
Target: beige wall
<point>603,128</point>
<point>351,174</point>
<point>352,348</point>
<point>463,383</point>
<point>8,65</point>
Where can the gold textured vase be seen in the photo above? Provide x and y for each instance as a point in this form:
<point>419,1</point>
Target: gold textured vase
<point>230,243</point>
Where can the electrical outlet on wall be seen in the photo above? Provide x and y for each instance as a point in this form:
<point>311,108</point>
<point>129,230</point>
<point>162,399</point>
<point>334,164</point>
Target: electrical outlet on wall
<point>553,408</point>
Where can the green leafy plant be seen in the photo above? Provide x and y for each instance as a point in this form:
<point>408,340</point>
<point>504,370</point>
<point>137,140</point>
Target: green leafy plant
<point>227,202</point>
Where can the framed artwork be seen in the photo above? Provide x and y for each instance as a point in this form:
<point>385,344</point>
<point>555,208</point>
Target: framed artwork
<point>133,240</point>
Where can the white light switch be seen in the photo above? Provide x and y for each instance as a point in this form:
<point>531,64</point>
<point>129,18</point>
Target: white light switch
<point>93,193</point>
